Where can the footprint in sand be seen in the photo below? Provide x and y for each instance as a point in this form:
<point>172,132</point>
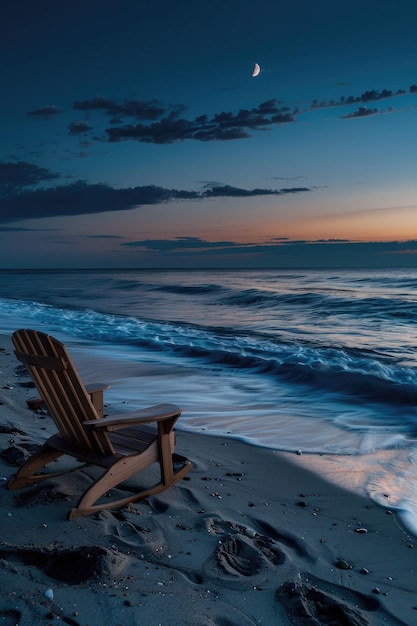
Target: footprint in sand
<point>149,540</point>
<point>44,494</point>
<point>69,565</point>
<point>237,558</point>
<point>305,604</point>
<point>242,553</point>
<point>240,556</point>
<point>318,602</point>
<point>10,617</point>
<point>217,526</point>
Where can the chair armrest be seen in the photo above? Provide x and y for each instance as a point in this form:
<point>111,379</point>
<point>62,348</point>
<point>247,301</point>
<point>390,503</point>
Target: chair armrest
<point>97,387</point>
<point>156,413</point>
<point>95,391</point>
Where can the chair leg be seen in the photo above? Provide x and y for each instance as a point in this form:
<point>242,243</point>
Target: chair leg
<point>120,471</point>
<point>26,474</point>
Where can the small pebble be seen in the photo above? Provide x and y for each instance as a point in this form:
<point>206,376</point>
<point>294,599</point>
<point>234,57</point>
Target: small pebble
<point>342,564</point>
<point>376,590</point>
<point>49,594</point>
<point>361,531</point>
<point>364,571</point>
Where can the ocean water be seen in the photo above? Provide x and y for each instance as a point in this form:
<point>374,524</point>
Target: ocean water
<point>314,361</point>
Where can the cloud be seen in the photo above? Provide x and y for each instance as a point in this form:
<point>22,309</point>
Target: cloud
<point>160,124</point>
<point>277,252</point>
<point>371,95</point>
<point>45,112</point>
<point>287,177</point>
<point>168,130</point>
<point>194,245</point>
<point>81,198</point>
<point>179,244</point>
<point>221,127</point>
<point>236,192</point>
<point>167,127</point>
<point>138,108</point>
<point>76,128</point>
<point>14,177</point>
<point>361,112</point>
<point>16,229</point>
<point>152,121</point>
<point>104,237</point>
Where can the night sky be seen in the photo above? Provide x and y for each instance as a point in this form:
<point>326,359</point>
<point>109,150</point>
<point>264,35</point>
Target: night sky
<point>133,134</point>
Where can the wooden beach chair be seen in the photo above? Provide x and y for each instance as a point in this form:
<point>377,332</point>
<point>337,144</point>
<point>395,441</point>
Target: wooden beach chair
<point>123,445</point>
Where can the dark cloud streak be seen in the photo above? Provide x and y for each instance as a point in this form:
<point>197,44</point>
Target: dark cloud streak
<point>160,124</point>
<point>18,201</point>
<point>279,252</point>
<point>221,127</point>
<point>157,123</point>
<point>45,112</point>
<point>179,244</point>
<point>138,109</point>
<point>77,128</point>
<point>14,177</point>
<point>361,112</point>
<point>371,95</point>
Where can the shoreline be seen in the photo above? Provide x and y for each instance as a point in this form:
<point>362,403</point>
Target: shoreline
<point>252,537</point>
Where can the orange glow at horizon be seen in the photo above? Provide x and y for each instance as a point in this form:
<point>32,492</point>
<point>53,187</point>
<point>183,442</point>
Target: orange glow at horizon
<point>385,224</point>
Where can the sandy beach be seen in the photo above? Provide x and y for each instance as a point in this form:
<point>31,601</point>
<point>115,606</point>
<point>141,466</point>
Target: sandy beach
<point>251,536</point>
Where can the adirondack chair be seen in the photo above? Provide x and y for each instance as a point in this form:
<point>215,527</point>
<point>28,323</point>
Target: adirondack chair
<point>123,445</point>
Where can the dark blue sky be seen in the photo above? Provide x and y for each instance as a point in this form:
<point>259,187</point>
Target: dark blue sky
<point>136,136</point>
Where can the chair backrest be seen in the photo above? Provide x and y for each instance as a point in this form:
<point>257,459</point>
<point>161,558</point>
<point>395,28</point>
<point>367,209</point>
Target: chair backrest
<point>61,388</point>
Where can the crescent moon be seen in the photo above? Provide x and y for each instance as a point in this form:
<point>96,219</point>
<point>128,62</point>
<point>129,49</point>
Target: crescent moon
<point>256,69</point>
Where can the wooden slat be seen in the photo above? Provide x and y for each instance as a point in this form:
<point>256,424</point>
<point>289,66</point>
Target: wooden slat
<point>62,390</point>
<point>132,440</point>
<point>47,362</point>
